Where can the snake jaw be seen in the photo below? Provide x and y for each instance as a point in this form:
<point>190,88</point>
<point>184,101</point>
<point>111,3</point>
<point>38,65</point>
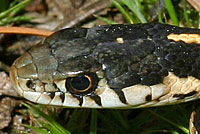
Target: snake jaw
<point>14,81</point>
<point>20,84</point>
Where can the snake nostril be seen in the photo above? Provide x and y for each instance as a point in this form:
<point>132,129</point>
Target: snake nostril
<point>30,84</point>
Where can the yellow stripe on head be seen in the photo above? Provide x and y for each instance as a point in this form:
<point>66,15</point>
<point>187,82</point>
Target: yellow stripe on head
<point>187,38</point>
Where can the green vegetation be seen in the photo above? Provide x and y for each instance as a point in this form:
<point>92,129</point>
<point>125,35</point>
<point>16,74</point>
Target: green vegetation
<point>48,127</point>
<point>9,12</point>
<point>142,11</point>
<point>167,119</point>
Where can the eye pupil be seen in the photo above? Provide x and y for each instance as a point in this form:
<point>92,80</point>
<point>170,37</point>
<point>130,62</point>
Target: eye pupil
<point>83,84</point>
<point>80,82</point>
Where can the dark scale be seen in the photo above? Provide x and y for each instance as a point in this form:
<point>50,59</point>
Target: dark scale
<point>153,53</point>
<point>145,55</point>
<point>62,97</point>
<point>182,96</point>
<point>181,60</point>
<point>51,94</point>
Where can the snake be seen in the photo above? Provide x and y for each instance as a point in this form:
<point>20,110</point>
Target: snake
<point>112,66</point>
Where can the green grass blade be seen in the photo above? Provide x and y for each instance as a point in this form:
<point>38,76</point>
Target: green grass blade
<point>185,130</point>
<point>105,20</point>
<point>171,11</point>
<point>133,6</point>
<point>4,5</point>
<point>126,15</point>
<point>93,123</point>
<point>13,3</point>
<point>16,7</point>
<point>49,127</point>
<point>39,130</point>
<point>16,19</point>
<point>80,117</point>
<point>123,122</point>
<point>185,15</point>
<point>50,120</point>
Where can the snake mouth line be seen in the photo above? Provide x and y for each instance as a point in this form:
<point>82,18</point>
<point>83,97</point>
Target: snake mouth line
<point>13,77</point>
<point>59,99</point>
<point>45,97</point>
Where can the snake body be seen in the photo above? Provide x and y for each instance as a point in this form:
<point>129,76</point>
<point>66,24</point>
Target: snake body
<point>110,66</point>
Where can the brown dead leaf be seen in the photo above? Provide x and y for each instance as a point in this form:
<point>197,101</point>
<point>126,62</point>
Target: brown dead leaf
<point>195,4</point>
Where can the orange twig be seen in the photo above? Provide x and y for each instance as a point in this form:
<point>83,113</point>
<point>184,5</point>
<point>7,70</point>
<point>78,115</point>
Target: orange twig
<point>24,30</point>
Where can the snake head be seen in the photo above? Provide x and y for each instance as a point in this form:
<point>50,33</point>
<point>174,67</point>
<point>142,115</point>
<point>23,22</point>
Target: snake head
<point>62,71</point>
<point>111,66</point>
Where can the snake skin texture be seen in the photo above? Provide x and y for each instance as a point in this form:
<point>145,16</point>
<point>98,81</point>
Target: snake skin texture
<point>122,65</point>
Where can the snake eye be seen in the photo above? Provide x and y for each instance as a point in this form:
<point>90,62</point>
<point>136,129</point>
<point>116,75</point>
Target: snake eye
<point>82,84</point>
